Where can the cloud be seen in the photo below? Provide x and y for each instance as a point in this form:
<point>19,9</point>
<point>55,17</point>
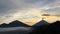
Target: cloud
<point>53,11</point>
<point>7,6</point>
<point>31,14</point>
<point>45,15</point>
<point>14,9</point>
<point>53,8</point>
<point>50,15</point>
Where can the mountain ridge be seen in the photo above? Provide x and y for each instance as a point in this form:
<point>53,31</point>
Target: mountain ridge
<point>15,23</point>
<point>42,22</point>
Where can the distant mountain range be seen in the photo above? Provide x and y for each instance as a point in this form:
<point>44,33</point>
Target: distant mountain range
<point>17,23</point>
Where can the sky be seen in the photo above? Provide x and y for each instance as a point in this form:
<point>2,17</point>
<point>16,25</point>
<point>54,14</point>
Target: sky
<point>29,11</point>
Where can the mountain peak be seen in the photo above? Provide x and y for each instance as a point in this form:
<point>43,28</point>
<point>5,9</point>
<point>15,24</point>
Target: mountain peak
<point>42,22</point>
<point>15,23</point>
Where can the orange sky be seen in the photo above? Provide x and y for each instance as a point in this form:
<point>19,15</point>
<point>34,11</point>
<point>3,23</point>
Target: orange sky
<point>31,17</point>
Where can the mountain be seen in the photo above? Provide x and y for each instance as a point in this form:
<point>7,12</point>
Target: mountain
<point>42,22</point>
<point>55,25</point>
<point>40,28</point>
<point>47,29</point>
<point>15,23</point>
<point>3,25</point>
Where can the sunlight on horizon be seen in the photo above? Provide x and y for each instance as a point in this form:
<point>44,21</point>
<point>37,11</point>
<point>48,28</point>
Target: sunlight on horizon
<point>31,17</point>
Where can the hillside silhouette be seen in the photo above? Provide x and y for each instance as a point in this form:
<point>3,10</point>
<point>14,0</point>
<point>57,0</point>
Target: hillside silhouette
<point>53,28</point>
<point>4,25</point>
<point>15,23</point>
<point>40,23</point>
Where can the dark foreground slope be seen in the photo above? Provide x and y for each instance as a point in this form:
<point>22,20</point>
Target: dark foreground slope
<point>47,29</point>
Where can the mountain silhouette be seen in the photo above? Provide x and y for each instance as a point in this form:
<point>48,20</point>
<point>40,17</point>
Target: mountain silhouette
<point>3,25</point>
<point>53,28</point>
<point>42,22</point>
<point>15,23</point>
<point>57,23</point>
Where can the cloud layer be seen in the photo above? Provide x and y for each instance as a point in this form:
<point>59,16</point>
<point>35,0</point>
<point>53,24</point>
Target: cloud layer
<point>14,9</point>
